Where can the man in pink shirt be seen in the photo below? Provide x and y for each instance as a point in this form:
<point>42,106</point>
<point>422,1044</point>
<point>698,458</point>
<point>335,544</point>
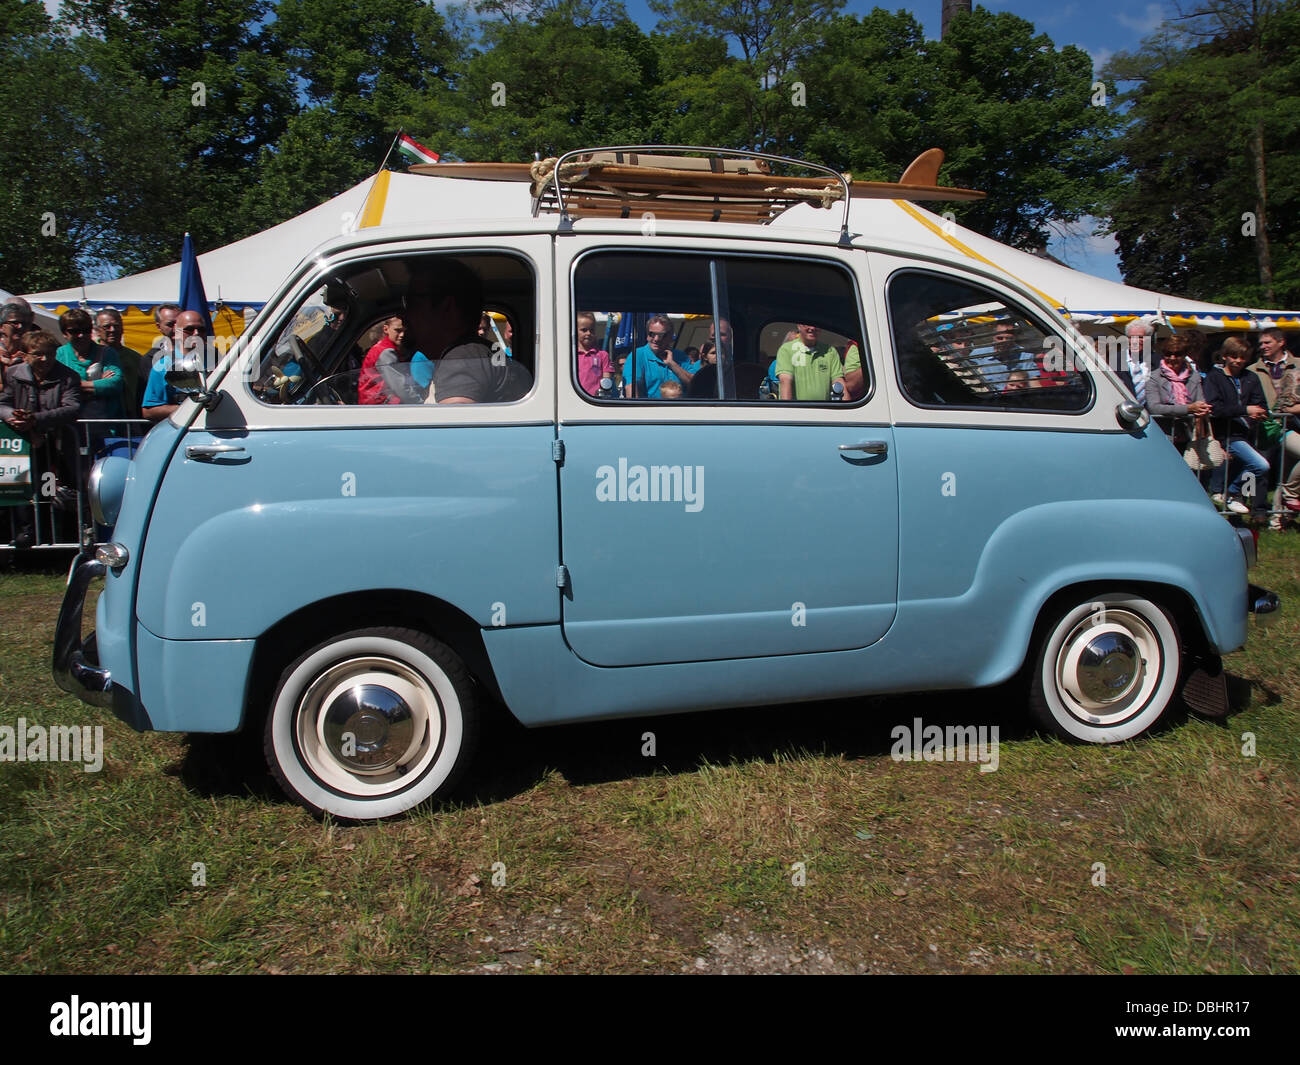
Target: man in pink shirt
<point>593,363</point>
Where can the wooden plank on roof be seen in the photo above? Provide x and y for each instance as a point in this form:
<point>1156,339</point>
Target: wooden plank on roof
<point>627,179</point>
<point>476,171</point>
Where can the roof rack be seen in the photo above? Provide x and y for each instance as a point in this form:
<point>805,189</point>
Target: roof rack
<point>714,184</point>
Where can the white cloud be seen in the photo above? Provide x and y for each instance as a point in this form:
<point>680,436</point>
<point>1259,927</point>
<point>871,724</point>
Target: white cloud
<point>1056,17</point>
<point>1100,57</point>
<point>1148,21</point>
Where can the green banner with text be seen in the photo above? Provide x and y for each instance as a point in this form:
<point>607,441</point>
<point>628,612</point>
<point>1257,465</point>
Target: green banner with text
<point>15,467</point>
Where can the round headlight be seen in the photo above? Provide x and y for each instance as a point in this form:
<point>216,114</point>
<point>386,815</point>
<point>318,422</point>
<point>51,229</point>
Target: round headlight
<point>107,483</point>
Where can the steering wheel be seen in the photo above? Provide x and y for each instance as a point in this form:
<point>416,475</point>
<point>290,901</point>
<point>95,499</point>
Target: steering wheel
<point>323,393</point>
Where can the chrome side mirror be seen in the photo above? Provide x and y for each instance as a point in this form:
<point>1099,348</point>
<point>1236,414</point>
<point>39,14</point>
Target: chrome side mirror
<point>1132,415</point>
<point>188,381</point>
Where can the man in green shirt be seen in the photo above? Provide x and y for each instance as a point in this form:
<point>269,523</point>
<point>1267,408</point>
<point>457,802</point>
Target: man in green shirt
<point>805,369</point>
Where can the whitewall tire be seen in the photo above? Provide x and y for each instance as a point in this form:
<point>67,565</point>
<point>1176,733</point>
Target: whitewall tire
<point>1106,670</point>
<point>371,723</point>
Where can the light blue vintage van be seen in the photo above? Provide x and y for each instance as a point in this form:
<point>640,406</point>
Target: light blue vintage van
<point>860,491</point>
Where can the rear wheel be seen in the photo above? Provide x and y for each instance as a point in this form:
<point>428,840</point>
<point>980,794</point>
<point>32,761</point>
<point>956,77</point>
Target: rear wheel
<point>1106,670</point>
<point>371,723</point>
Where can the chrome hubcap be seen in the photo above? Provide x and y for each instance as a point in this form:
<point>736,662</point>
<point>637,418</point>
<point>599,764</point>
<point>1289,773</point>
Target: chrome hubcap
<point>369,728</point>
<point>1108,667</point>
<point>368,722</point>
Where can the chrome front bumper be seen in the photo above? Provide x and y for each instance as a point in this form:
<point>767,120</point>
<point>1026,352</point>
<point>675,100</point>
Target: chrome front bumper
<point>1265,605</point>
<point>75,668</point>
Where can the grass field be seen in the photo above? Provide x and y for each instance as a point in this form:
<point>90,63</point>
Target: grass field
<point>571,852</point>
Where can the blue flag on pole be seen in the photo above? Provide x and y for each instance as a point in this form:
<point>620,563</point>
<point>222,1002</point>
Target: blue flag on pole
<point>192,297</point>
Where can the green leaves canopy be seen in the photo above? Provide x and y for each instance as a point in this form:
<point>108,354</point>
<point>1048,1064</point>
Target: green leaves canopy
<point>135,120</point>
<point>1209,202</point>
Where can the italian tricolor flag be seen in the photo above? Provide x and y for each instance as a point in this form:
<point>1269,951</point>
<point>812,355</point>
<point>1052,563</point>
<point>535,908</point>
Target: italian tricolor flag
<point>414,150</point>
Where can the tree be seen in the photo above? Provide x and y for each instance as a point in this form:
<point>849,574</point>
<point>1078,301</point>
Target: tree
<point>742,101</point>
<point>1212,155</point>
<point>22,18</point>
<point>224,94</point>
<point>555,84</point>
<point>361,72</point>
<point>1016,118</point>
<point>868,94</point>
<point>72,121</point>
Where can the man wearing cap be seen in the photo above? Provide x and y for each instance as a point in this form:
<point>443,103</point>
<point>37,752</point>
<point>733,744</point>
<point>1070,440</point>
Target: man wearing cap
<point>654,362</point>
<point>16,318</point>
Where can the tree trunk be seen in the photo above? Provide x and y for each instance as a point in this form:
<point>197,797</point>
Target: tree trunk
<point>950,10</point>
<point>1261,217</point>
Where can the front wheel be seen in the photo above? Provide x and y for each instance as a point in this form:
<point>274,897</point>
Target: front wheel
<point>1106,670</point>
<point>371,723</point>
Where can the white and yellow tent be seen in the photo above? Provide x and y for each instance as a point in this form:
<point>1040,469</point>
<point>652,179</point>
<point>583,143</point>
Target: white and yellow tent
<point>1089,301</point>
<point>240,277</point>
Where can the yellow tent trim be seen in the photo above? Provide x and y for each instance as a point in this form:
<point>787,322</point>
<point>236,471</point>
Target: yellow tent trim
<point>372,214</point>
<point>139,331</point>
<point>970,252</point>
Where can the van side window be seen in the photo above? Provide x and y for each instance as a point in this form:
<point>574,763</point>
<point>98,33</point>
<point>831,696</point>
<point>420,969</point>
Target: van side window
<point>356,339</point>
<point>960,345</point>
<point>658,328</point>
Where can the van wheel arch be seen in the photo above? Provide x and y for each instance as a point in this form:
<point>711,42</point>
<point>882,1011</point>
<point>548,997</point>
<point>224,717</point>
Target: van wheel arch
<point>1181,606</point>
<point>400,608</point>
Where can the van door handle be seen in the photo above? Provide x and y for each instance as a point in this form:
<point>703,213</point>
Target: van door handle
<point>871,447</point>
<point>209,451</point>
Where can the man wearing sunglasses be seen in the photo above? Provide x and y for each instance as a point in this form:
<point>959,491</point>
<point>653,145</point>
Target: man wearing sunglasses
<point>97,366</point>
<point>650,366</point>
<point>161,400</point>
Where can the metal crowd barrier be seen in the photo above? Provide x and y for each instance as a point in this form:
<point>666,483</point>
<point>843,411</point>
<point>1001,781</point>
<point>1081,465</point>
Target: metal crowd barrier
<point>1276,509</point>
<point>63,521</point>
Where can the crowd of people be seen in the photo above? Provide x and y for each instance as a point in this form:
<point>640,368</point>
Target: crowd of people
<point>806,368</point>
<point>1234,413</point>
<point>46,388</point>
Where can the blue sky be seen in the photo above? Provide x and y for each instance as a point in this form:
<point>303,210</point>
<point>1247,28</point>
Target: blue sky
<point>1100,27</point>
